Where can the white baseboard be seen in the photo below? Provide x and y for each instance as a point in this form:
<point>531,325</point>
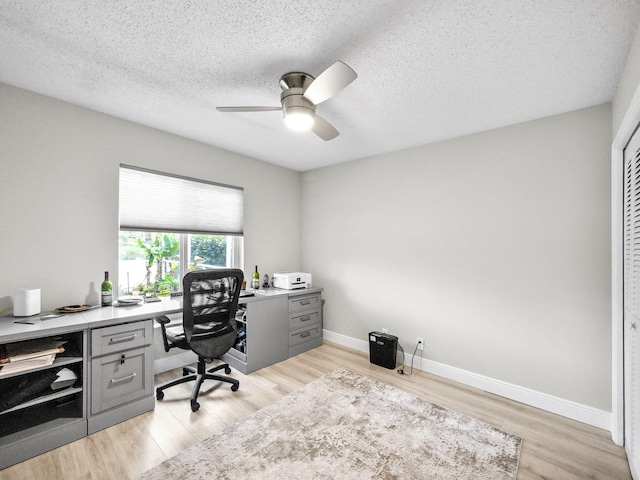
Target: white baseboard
<point>170,362</point>
<point>567,408</point>
<point>346,341</point>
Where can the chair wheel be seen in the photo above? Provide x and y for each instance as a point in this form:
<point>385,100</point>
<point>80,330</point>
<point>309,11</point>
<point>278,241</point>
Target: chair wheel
<point>227,370</point>
<point>185,372</point>
<point>159,394</point>
<point>195,406</point>
<point>234,387</point>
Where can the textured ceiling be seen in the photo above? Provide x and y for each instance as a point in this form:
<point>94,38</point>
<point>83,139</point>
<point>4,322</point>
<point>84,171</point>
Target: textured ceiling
<point>428,69</point>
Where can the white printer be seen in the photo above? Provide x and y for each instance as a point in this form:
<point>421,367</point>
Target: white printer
<point>291,280</point>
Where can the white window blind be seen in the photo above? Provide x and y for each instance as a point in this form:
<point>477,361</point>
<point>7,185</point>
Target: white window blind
<point>160,202</point>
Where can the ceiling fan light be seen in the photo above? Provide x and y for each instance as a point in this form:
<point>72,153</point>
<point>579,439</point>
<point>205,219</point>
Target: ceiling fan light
<point>298,118</point>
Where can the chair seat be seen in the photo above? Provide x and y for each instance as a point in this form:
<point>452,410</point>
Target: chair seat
<point>177,339</point>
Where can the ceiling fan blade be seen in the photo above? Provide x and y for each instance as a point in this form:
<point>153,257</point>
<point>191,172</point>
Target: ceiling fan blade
<point>324,129</point>
<point>248,109</point>
<point>330,82</point>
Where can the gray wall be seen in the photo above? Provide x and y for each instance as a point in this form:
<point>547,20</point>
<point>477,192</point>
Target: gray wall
<point>59,195</point>
<point>494,247</point>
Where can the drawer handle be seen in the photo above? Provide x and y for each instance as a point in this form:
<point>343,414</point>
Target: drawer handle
<point>123,339</point>
<point>305,302</point>
<point>305,319</point>
<point>123,379</point>
<point>305,334</point>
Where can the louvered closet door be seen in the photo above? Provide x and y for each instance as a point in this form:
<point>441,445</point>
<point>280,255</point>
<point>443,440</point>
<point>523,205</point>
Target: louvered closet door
<point>632,303</point>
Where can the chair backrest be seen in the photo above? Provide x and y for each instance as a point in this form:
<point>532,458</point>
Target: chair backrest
<point>209,308</point>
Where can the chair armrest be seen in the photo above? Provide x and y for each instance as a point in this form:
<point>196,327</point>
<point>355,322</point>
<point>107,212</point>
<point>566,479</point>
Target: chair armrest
<point>163,320</point>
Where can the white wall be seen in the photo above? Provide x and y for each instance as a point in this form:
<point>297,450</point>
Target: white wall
<point>629,83</point>
<point>496,250</point>
<point>626,118</point>
<point>59,195</point>
<point>494,247</point>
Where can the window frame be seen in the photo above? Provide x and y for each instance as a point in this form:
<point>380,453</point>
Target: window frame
<point>136,212</point>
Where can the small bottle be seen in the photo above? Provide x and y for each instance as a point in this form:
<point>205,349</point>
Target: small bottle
<point>107,291</point>
<point>255,281</point>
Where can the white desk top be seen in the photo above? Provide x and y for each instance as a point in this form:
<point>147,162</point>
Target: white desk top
<point>96,317</point>
<point>10,331</point>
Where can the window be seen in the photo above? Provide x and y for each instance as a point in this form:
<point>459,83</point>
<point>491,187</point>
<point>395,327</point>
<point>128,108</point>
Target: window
<point>170,225</point>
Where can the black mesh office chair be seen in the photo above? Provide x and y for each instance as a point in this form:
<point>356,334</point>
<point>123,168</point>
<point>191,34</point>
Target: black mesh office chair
<point>208,326</point>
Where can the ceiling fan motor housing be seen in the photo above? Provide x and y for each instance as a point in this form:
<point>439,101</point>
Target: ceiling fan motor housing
<point>296,80</point>
<point>293,102</point>
<point>294,85</point>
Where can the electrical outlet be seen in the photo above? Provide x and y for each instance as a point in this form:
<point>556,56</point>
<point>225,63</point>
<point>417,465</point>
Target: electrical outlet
<point>420,343</point>
<point>385,330</point>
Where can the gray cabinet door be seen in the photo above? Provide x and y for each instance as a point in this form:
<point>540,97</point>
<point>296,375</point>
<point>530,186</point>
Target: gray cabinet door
<point>267,328</point>
<point>121,377</point>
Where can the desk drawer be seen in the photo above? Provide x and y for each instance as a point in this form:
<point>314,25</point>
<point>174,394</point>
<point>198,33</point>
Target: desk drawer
<point>120,377</point>
<point>305,319</point>
<point>304,302</point>
<point>304,334</point>
<point>121,337</point>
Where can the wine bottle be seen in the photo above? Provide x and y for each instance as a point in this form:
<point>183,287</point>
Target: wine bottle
<point>255,281</point>
<point>107,291</point>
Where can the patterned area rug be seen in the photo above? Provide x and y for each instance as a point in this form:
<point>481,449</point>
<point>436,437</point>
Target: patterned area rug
<point>345,426</point>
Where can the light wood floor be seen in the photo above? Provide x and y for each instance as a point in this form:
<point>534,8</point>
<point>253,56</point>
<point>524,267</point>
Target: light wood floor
<point>553,447</point>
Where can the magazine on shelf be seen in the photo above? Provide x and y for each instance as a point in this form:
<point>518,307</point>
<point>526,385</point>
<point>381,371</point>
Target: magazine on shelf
<point>28,354</point>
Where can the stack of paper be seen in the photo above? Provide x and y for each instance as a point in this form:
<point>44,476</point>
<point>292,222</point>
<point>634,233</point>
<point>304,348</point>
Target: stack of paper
<point>29,354</point>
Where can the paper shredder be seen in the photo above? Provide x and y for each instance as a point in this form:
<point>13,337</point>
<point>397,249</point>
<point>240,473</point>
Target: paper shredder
<point>382,349</point>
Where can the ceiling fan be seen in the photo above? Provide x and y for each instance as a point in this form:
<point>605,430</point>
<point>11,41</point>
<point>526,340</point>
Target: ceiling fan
<point>301,93</point>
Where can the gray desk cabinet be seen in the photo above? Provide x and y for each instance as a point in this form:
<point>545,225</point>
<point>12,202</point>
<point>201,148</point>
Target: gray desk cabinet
<point>52,418</point>
<point>110,351</point>
<point>121,373</point>
<point>305,323</point>
<point>274,327</point>
<point>265,323</point>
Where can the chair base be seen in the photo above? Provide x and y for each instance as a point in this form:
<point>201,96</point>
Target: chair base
<point>199,375</point>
